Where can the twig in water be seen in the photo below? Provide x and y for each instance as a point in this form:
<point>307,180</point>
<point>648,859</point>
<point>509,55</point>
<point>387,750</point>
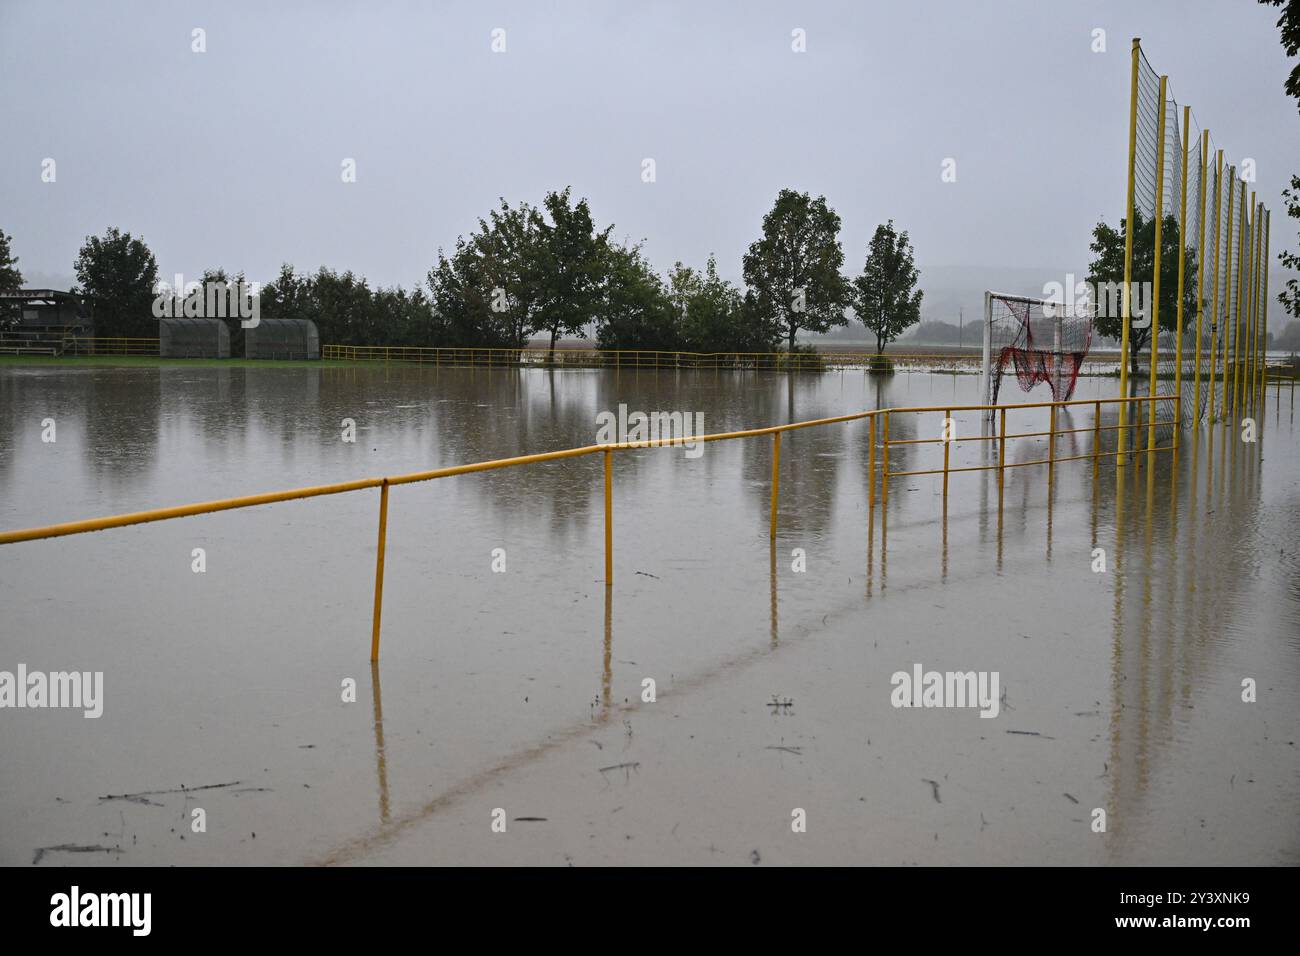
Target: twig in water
<point>139,797</point>
<point>72,848</point>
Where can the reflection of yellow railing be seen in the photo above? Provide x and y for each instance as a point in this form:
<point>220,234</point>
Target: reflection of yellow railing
<point>608,450</point>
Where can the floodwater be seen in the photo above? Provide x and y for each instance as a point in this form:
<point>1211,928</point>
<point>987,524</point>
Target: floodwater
<point>518,695</point>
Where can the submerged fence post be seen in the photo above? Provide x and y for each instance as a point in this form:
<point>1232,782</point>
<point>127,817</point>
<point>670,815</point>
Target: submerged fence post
<point>1051,444</point>
<point>1096,438</point>
<point>871,467</point>
<point>947,444</point>
<point>1002,444</point>
<point>884,470</point>
<point>776,476</point>
<point>609,517</point>
<point>379,569</point>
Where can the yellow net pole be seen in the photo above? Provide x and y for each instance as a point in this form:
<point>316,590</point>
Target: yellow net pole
<point>1200,269</point>
<point>1227,290</point>
<point>1155,270</point>
<point>1263,309</point>
<point>1214,315</point>
<point>1243,236</point>
<point>1126,295</point>
<point>1182,259</point>
<point>1252,302</point>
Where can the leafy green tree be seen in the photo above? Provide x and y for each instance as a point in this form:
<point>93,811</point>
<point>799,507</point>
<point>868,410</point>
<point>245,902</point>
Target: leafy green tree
<point>793,271</point>
<point>569,273</point>
<point>117,272</point>
<point>1289,24</point>
<point>489,292</point>
<point>405,318</point>
<point>713,312</point>
<point>1107,267</point>
<point>521,274</point>
<point>11,280</point>
<point>345,309</point>
<point>342,302</point>
<point>1289,295</point>
<point>885,298</point>
<point>634,310</point>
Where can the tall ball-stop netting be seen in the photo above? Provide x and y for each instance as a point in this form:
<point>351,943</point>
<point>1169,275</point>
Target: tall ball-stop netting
<point>1042,341</point>
<point>1204,202</point>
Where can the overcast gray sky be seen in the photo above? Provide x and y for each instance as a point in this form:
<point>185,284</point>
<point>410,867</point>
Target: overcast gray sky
<point>233,157</point>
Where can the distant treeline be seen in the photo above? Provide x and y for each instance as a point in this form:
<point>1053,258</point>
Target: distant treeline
<point>527,272</point>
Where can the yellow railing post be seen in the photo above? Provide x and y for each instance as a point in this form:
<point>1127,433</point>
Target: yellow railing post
<point>871,468</point>
<point>1051,444</point>
<point>1096,439</point>
<point>379,569</point>
<point>609,517</point>
<point>947,444</point>
<point>884,471</point>
<point>1002,445</point>
<point>776,482</point>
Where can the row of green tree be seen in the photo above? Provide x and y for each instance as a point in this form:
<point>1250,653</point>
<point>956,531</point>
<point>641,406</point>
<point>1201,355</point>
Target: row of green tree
<point>550,272</point>
<point>527,272</point>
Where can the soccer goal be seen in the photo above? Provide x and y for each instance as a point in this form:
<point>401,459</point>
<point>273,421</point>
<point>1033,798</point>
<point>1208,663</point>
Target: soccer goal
<point>1044,341</point>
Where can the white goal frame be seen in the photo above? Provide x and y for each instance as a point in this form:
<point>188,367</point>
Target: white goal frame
<point>986,359</point>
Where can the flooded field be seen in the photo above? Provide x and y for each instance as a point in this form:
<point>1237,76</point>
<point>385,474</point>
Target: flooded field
<point>517,694</point>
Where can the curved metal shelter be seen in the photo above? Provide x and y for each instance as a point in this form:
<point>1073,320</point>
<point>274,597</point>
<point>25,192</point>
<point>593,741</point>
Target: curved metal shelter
<point>193,338</point>
<point>282,339</point>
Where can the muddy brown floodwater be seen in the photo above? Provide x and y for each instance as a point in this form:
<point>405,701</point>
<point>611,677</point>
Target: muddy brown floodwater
<point>521,692</point>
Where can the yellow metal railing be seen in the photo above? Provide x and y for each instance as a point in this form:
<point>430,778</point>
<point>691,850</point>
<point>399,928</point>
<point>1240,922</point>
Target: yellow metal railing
<point>1000,435</point>
<point>646,358</point>
<point>608,450</point>
<point>110,345</point>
